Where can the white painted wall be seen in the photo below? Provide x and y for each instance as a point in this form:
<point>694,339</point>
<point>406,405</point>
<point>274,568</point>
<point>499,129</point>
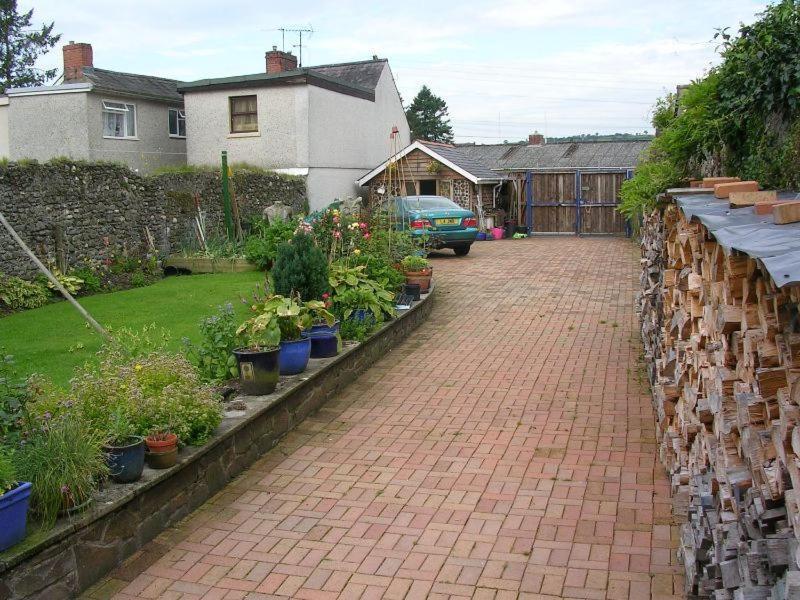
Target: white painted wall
<point>282,138</point>
<point>153,147</point>
<point>45,126</point>
<point>4,127</point>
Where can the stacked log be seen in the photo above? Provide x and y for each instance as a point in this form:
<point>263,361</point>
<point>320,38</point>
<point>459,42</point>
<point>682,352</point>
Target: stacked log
<point>723,347</point>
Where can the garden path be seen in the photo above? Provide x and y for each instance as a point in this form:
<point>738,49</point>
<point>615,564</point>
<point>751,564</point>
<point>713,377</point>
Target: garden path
<point>505,450</point>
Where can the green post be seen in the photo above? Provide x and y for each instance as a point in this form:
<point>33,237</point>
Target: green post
<point>226,197</point>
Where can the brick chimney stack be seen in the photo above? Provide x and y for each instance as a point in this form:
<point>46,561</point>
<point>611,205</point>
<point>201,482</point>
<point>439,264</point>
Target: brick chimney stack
<point>279,61</point>
<point>536,139</point>
<point>76,56</point>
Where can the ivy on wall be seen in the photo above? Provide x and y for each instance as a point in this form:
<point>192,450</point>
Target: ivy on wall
<point>741,118</point>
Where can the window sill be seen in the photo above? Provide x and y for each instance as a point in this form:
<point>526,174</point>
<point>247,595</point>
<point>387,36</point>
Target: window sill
<point>113,137</point>
<point>177,137</point>
<point>245,134</point>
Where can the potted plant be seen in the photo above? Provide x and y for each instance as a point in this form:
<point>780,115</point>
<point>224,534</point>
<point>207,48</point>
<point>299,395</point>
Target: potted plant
<point>14,501</point>
<point>321,328</point>
<point>162,449</point>
<point>418,270</point>
<point>293,318</point>
<point>124,449</point>
<point>258,358</point>
<point>357,297</point>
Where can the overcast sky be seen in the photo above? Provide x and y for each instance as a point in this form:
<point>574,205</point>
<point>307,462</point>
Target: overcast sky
<point>505,68</point>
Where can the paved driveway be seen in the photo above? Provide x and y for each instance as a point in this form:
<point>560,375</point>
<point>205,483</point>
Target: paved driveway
<point>505,450</point>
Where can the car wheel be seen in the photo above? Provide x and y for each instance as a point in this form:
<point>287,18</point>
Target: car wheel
<point>462,250</point>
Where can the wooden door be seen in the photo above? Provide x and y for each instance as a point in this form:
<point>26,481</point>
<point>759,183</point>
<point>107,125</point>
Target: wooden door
<point>598,205</point>
<point>554,203</point>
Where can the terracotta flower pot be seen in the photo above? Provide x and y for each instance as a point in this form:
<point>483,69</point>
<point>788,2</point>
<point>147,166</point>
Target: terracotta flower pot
<point>156,445</point>
<point>162,460</point>
<point>423,278</point>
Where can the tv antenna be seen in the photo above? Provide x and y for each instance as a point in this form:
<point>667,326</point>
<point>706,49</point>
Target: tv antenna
<point>299,45</point>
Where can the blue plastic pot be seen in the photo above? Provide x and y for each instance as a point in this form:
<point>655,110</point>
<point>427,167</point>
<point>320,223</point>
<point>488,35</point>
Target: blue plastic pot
<point>323,344</point>
<point>481,236</point>
<point>125,463</point>
<point>14,515</point>
<point>294,355</point>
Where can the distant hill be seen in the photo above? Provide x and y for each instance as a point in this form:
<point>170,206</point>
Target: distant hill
<point>600,137</point>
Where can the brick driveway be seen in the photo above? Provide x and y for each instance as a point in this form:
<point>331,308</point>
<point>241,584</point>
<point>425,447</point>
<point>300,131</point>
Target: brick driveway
<point>505,450</point>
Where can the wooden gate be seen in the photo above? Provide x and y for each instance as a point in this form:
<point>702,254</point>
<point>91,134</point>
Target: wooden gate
<point>574,202</point>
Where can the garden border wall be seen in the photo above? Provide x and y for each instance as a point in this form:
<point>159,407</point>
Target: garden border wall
<point>67,560</point>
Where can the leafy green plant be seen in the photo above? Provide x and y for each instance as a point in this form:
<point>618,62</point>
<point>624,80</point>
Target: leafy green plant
<point>213,355</point>
<point>138,279</point>
<point>92,282</point>
<point>19,294</point>
<point>415,263</point>
<point>8,474</point>
<point>64,462</point>
<point>13,394</point>
<point>353,290</point>
<point>71,283</point>
<point>356,331</point>
<point>290,315</point>
<point>300,267</point>
<point>261,246</point>
<point>379,269</point>
<point>121,429</point>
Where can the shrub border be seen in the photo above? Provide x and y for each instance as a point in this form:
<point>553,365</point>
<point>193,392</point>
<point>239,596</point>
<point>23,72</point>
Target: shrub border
<point>71,557</point>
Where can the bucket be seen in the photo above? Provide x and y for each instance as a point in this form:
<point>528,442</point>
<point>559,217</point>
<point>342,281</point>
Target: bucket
<point>497,233</point>
<point>14,514</point>
<point>481,236</point>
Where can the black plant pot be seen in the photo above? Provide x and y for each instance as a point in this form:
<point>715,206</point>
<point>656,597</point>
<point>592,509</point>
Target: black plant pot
<point>413,290</point>
<point>258,370</point>
<point>126,463</point>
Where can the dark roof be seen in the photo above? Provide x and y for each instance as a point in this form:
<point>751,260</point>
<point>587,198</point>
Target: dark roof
<point>552,157</point>
<point>143,86</point>
<point>356,78</point>
<point>458,157</point>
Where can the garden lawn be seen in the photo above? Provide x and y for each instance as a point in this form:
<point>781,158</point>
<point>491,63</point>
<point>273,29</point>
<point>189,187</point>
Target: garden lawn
<point>54,339</point>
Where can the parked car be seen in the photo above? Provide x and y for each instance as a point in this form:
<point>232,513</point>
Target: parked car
<point>445,223</point>
<point>442,221</point>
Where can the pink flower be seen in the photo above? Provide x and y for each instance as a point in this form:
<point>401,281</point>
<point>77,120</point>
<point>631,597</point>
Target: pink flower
<point>337,234</point>
<point>362,225</point>
<point>366,236</point>
<point>325,296</point>
<point>335,219</point>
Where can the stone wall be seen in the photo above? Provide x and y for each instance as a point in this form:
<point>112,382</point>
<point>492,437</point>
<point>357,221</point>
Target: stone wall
<point>82,211</point>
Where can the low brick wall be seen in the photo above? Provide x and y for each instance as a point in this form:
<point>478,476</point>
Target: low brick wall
<point>68,559</point>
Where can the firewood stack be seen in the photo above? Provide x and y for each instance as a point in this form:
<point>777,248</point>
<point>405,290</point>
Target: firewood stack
<point>724,366</point>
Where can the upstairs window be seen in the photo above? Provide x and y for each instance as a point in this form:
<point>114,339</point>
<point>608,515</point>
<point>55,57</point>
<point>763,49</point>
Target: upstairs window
<point>177,122</point>
<point>244,114</point>
<point>119,120</point>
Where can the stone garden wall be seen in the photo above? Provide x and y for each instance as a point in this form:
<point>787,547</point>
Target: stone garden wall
<point>71,211</point>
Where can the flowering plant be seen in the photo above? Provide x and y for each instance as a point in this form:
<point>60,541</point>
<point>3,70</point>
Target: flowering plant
<point>336,234</point>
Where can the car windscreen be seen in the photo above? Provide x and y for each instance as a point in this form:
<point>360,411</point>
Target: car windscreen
<point>431,203</point>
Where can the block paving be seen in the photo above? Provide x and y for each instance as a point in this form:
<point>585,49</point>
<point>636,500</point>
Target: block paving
<point>505,450</point>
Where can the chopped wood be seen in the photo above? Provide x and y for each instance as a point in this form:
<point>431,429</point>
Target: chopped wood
<point>722,345</point>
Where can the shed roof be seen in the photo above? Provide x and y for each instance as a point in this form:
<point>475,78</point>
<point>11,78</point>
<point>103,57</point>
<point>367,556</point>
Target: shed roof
<point>741,229</point>
<point>130,84</point>
<point>559,156</point>
<point>449,155</point>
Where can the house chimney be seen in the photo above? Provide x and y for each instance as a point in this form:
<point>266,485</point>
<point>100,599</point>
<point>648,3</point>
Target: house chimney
<point>76,56</point>
<point>536,139</point>
<point>279,61</point>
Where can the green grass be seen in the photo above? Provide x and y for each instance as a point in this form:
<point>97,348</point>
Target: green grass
<point>54,339</point>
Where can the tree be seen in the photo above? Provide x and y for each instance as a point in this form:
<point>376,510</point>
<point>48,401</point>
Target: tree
<point>427,117</point>
<point>20,46</point>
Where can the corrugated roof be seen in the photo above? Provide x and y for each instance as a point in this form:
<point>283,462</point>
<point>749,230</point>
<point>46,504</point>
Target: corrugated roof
<point>741,229</point>
<point>563,155</point>
<point>455,155</point>
<point>129,84</point>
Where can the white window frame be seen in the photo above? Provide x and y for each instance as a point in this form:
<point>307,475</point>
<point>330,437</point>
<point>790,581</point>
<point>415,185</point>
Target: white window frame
<point>113,106</point>
<point>181,116</point>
